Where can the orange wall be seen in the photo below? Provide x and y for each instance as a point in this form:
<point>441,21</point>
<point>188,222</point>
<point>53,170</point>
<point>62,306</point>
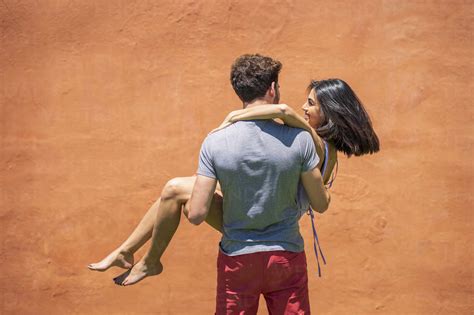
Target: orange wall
<point>102,102</point>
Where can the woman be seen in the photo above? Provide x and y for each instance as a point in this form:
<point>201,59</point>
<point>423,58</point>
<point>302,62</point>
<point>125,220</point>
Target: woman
<point>336,120</point>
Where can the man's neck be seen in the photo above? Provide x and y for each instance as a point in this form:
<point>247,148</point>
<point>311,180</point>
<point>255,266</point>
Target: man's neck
<point>257,102</point>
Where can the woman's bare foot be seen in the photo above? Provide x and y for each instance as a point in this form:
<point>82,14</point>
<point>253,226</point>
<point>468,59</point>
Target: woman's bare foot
<point>117,258</point>
<point>139,271</point>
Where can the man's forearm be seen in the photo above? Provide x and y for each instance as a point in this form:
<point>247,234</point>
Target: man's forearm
<point>201,199</point>
<point>318,194</point>
<point>326,202</point>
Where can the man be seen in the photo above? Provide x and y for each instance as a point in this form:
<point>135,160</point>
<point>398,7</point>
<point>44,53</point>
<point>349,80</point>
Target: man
<point>259,164</point>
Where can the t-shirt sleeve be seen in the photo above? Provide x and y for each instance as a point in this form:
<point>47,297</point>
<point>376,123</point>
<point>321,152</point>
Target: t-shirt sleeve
<point>309,157</point>
<point>206,162</point>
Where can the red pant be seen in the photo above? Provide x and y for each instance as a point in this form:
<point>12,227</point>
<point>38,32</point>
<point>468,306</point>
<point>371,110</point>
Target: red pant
<point>281,277</point>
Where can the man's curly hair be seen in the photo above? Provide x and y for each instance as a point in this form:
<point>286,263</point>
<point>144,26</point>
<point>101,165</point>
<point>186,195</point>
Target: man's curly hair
<point>252,75</point>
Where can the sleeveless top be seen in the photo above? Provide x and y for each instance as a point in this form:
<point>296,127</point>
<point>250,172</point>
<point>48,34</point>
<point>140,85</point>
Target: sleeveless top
<point>305,207</point>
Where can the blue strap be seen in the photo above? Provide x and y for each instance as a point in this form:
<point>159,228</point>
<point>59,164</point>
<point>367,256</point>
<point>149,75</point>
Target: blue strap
<point>316,242</point>
<point>310,212</point>
<point>326,158</point>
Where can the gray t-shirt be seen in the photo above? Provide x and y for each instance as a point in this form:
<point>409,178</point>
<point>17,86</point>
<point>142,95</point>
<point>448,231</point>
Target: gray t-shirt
<point>258,164</point>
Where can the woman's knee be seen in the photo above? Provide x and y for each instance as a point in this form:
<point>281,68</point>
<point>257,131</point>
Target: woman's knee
<point>174,189</point>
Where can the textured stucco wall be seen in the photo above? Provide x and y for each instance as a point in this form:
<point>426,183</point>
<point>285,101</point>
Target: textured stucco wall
<point>103,101</point>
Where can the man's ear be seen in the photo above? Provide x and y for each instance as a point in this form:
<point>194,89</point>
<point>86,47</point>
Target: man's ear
<point>271,90</point>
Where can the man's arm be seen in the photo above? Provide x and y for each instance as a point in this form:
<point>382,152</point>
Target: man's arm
<point>318,194</point>
<point>201,198</point>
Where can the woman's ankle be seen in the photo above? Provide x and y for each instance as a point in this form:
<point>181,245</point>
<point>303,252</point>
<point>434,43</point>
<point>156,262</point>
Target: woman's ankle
<point>125,250</point>
<point>151,260</point>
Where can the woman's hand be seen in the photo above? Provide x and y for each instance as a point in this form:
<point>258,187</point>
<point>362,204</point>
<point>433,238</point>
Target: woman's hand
<point>227,122</point>
<point>222,126</point>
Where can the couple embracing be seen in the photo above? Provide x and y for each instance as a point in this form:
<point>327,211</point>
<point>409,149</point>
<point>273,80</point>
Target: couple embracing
<point>256,178</point>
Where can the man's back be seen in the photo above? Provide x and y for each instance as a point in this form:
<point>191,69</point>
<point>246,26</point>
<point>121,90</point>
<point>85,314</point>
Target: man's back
<point>258,164</point>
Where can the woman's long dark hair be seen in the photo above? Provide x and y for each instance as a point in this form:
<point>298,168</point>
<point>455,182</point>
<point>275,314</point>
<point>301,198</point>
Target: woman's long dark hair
<point>344,122</point>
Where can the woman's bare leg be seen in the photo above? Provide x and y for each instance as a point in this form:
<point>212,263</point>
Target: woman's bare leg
<point>123,255</point>
<point>176,194</point>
